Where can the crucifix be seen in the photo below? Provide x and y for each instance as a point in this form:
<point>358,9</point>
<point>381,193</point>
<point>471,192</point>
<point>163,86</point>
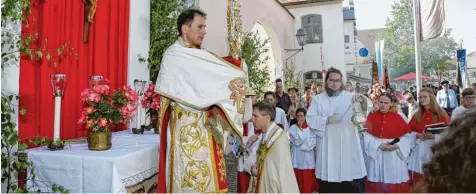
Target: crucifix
<point>89,11</point>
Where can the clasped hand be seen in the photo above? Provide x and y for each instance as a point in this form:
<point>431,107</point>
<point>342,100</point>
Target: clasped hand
<point>254,170</point>
<point>335,118</point>
<point>425,136</point>
<point>388,147</point>
<point>252,140</point>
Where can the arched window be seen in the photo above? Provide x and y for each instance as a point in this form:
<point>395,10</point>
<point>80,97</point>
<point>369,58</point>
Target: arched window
<point>313,25</point>
<point>312,75</point>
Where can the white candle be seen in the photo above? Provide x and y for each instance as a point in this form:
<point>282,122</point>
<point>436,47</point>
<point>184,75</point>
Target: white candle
<point>57,118</point>
<point>138,115</point>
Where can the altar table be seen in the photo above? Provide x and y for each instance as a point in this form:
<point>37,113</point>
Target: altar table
<point>131,165</point>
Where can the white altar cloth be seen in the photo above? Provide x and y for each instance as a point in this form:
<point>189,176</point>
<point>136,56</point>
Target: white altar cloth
<point>131,159</point>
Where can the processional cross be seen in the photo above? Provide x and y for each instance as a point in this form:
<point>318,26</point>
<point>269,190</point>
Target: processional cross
<point>89,11</point>
<point>235,28</point>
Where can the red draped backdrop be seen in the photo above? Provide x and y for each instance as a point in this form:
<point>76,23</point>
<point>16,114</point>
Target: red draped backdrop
<point>106,54</point>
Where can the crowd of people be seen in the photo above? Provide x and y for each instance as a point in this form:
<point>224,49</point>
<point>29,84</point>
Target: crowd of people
<point>395,152</point>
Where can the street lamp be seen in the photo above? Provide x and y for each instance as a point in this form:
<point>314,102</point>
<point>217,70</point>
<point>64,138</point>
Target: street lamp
<point>58,84</point>
<point>301,36</point>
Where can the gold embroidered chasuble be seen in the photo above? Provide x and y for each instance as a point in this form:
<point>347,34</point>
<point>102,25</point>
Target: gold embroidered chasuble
<point>275,169</point>
<point>204,97</point>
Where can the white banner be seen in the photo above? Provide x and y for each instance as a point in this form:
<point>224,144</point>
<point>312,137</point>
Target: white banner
<point>432,19</point>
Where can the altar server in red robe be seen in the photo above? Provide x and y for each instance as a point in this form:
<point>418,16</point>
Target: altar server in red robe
<point>428,113</point>
<point>303,157</point>
<point>387,146</point>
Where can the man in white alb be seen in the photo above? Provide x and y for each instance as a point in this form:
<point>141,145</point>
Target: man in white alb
<point>340,164</point>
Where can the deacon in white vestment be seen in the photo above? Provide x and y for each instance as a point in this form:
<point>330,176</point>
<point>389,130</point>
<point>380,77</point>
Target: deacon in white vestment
<point>273,170</point>
<point>340,164</point>
<point>202,101</point>
<point>387,144</point>
<point>254,136</point>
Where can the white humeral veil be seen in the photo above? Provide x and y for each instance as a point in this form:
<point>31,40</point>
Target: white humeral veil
<point>198,79</point>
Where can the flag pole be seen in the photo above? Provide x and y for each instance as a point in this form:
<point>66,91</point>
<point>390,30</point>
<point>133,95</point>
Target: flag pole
<point>417,30</point>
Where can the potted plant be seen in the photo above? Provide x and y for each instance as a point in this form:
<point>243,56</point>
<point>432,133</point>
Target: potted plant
<point>104,111</point>
<point>151,102</point>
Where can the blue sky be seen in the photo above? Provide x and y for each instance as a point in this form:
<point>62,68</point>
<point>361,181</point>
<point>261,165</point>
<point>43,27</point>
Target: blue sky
<point>460,16</point>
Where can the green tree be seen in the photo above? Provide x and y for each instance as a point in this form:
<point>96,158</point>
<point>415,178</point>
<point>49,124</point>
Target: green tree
<point>254,52</point>
<point>399,50</point>
<point>291,78</point>
<point>163,31</point>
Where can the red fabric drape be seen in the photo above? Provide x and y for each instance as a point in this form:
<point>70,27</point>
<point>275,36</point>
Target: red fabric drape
<point>376,187</point>
<point>62,21</point>
<point>306,179</point>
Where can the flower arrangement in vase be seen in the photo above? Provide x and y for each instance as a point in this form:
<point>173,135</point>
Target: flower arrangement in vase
<point>151,102</point>
<point>104,110</point>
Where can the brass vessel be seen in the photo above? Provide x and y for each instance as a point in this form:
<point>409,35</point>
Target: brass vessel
<point>99,141</point>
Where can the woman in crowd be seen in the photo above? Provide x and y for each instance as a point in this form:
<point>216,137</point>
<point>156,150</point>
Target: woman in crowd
<point>348,87</point>
<point>295,104</point>
<point>397,108</point>
<point>412,105</point>
<point>303,142</point>
<point>429,113</point>
<point>387,147</point>
<point>452,168</point>
<point>375,95</point>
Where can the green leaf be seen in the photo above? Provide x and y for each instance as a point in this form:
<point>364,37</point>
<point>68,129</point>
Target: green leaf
<point>37,141</point>
<point>39,54</point>
<point>48,56</point>
<point>22,111</point>
<point>54,188</point>
<point>22,147</point>
<point>13,139</point>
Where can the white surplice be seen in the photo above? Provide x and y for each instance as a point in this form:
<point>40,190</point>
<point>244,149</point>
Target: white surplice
<point>387,166</point>
<point>303,143</point>
<point>339,154</point>
<point>281,118</point>
<point>421,152</point>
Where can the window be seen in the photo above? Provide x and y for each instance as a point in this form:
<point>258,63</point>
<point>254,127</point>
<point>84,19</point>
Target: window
<point>313,25</point>
<point>473,74</point>
<point>191,4</point>
<point>347,38</point>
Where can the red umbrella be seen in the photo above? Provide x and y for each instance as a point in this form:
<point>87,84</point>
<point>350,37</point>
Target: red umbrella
<point>410,76</point>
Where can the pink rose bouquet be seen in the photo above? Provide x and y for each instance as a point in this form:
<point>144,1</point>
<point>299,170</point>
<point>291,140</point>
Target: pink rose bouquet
<point>151,102</point>
<point>103,108</point>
